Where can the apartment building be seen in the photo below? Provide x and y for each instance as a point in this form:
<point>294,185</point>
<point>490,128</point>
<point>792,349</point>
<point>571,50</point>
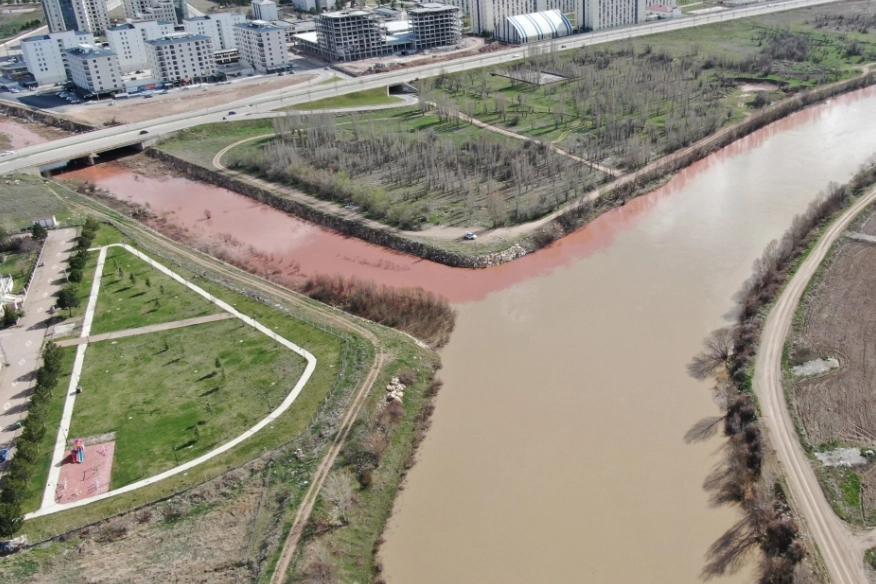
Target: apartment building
<point>265,10</point>
<point>181,57</point>
<point>128,41</point>
<point>600,14</point>
<point>219,27</point>
<point>262,45</point>
<point>94,71</point>
<point>44,54</point>
<point>435,25</point>
<point>85,15</point>
<point>486,15</point>
<point>164,10</point>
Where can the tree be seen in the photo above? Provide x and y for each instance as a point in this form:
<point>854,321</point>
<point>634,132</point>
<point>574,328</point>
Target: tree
<point>497,209</point>
<point>68,298</point>
<point>75,276</point>
<point>39,232</point>
<point>10,316</point>
<point>77,262</point>
<point>10,519</point>
<point>718,346</point>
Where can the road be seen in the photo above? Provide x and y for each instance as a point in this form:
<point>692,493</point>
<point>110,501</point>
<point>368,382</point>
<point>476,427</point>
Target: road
<point>105,139</point>
<point>20,346</point>
<point>841,549</point>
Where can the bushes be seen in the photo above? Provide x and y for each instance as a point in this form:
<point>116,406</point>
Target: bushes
<point>27,447</point>
<point>416,311</point>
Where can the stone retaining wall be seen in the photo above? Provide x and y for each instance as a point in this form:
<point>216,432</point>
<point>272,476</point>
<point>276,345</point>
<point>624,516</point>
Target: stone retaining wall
<point>32,115</point>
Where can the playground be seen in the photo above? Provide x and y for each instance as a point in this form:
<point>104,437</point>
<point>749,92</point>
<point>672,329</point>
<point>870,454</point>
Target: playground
<point>85,472</point>
<point>172,378</point>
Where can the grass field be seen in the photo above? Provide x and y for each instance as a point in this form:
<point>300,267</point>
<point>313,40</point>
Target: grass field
<point>17,265</point>
<point>377,96</point>
<point>19,21</point>
<point>150,298</point>
<point>198,145</point>
<point>175,395</point>
<point>30,198</point>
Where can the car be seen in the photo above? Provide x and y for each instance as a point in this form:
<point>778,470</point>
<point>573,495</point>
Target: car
<point>13,90</point>
<point>516,56</point>
<point>7,153</point>
<point>144,132</point>
<point>4,454</point>
<point>147,96</point>
<point>231,113</point>
<point>562,46</point>
<point>470,236</point>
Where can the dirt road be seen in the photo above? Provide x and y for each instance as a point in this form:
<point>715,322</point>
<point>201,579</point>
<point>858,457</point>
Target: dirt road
<point>840,548</point>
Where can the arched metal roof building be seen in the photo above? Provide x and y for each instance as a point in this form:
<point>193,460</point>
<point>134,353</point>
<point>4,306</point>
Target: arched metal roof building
<point>537,26</point>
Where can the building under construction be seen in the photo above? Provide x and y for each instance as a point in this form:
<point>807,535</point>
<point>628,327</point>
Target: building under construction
<point>349,35</point>
<point>435,25</point>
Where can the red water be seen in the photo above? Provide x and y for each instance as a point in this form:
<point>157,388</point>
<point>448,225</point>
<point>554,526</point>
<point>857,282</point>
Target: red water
<point>19,134</point>
<point>287,239</point>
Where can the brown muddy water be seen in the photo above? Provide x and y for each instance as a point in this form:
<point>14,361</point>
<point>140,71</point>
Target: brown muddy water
<point>556,451</point>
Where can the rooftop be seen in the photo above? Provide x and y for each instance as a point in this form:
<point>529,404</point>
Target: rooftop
<point>180,37</point>
<point>48,37</point>
<point>257,25</point>
<point>432,7</point>
<point>344,13</point>
<point>90,52</point>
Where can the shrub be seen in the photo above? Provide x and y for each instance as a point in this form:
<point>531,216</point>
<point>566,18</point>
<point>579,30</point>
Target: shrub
<point>75,276</point>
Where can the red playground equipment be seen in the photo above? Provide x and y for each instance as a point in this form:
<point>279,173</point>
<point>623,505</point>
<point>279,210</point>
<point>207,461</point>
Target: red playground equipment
<point>78,451</point>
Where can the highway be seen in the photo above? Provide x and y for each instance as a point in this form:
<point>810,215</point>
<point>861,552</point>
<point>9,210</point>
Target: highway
<point>109,138</point>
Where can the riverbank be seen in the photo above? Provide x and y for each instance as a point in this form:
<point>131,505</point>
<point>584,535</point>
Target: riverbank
<point>531,237</point>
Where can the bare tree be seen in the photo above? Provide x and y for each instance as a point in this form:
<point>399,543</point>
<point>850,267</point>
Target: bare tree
<point>718,346</point>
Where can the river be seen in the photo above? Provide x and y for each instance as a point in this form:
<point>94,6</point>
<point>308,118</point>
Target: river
<point>556,451</point>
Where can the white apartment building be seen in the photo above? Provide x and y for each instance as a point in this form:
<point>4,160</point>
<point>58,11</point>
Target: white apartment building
<point>181,57</point>
<point>165,10</point>
<point>44,54</point>
<point>599,14</point>
<point>85,15</point>
<point>128,41</point>
<point>94,71</point>
<point>219,27</point>
<point>487,15</point>
<point>265,10</point>
<point>262,45</point>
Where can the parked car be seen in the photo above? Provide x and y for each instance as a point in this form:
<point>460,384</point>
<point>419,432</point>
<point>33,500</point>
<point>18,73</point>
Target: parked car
<point>8,153</point>
<point>470,236</point>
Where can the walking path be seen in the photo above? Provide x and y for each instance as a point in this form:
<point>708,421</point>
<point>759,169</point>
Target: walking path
<point>21,345</point>
<point>49,505</point>
<point>841,550</point>
<point>153,328</point>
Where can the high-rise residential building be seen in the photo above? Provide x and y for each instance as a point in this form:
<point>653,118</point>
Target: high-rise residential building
<point>94,71</point>
<point>182,10</point>
<point>262,45</point>
<point>219,27</point>
<point>45,57</point>
<point>85,15</point>
<point>435,25</point>
<point>128,41</point>
<point>599,14</point>
<point>151,10</point>
<point>265,10</point>
<point>181,57</point>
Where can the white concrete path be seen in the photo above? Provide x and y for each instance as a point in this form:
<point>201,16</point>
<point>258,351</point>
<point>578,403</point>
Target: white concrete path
<point>49,505</point>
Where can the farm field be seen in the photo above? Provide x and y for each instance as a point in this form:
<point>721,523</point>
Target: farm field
<point>832,409</point>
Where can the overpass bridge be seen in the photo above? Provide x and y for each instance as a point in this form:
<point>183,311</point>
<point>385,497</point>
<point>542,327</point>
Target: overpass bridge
<point>89,144</point>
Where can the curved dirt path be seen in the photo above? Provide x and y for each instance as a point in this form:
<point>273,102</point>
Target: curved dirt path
<point>840,548</point>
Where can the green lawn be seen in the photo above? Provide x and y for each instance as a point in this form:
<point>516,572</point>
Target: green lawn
<point>19,203</point>
<point>17,265</point>
<point>19,21</point>
<point>151,298</point>
<point>377,96</point>
<point>198,145</point>
<point>167,400</point>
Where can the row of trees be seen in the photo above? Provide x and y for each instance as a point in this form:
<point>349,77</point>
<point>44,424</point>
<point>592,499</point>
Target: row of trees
<point>400,177</point>
<point>728,355</point>
<point>28,447</point>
